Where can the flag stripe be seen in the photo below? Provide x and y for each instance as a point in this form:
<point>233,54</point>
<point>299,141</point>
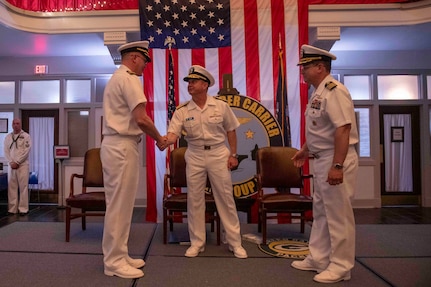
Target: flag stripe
<point>150,149</point>
<point>225,57</point>
<point>266,52</point>
<point>251,48</point>
<point>278,34</point>
<point>198,57</point>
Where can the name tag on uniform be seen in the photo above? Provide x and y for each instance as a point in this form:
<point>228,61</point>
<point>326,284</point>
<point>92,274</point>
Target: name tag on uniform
<point>190,119</point>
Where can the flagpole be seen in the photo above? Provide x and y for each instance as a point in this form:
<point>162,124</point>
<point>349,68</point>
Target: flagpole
<point>280,59</point>
<point>170,41</point>
<point>282,111</point>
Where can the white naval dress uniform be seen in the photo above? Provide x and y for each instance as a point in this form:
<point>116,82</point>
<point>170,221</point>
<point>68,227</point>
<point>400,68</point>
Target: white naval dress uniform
<point>332,239</point>
<point>207,154</point>
<point>120,161</point>
<point>16,149</point>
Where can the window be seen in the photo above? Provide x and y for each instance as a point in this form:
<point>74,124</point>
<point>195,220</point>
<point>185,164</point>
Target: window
<point>77,132</point>
<point>38,92</point>
<point>78,91</point>
<point>363,122</point>
<point>398,87</point>
<point>358,86</point>
<point>7,92</point>
<point>100,88</point>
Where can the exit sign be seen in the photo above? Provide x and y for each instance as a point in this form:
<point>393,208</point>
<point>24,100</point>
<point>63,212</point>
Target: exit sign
<point>40,69</point>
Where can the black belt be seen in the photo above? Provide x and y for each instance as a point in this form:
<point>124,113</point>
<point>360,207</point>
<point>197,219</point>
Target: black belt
<point>205,147</point>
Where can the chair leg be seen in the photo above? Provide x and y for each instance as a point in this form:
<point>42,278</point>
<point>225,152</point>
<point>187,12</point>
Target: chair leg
<point>83,220</point>
<point>165,226</point>
<point>212,218</point>
<point>218,228</point>
<point>259,221</point>
<point>302,222</point>
<point>171,221</point>
<point>249,215</point>
<point>68,211</point>
<point>264,227</point>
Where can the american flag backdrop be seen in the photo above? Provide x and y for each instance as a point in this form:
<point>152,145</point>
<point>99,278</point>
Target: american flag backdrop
<point>238,37</point>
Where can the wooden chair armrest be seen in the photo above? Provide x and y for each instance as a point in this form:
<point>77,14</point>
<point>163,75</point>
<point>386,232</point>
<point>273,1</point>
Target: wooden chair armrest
<point>72,177</point>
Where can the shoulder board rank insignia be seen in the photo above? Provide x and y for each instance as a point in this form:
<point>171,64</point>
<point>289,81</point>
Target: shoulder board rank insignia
<point>131,73</point>
<point>330,85</point>
<point>183,105</point>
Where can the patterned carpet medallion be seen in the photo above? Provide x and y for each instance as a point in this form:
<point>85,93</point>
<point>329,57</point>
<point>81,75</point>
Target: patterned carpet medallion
<point>286,247</point>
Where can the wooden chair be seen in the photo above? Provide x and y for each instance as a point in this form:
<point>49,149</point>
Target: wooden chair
<point>174,203</point>
<point>89,203</point>
<point>275,169</point>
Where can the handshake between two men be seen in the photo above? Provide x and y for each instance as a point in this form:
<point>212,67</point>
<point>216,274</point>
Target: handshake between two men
<point>165,141</point>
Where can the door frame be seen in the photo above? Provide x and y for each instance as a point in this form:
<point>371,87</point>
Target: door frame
<point>53,113</point>
<point>395,198</point>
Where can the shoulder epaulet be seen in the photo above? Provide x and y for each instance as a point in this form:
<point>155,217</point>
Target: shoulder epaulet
<point>183,105</point>
<point>330,85</point>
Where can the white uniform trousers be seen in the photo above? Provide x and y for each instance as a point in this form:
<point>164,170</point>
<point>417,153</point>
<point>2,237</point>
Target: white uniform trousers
<point>18,179</point>
<point>213,163</point>
<point>332,238</point>
<point>120,161</point>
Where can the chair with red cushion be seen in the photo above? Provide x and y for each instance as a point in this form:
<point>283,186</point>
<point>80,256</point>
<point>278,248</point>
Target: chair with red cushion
<point>276,172</point>
<point>86,203</point>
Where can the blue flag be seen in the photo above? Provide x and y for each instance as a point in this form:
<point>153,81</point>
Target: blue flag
<point>192,23</point>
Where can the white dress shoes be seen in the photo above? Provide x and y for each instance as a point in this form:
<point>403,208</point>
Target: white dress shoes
<point>135,263</point>
<point>238,251</point>
<point>331,277</point>
<point>306,265</point>
<point>194,251</point>
<point>125,271</point>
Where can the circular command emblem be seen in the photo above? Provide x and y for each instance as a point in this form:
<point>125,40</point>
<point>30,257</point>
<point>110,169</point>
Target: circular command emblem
<point>286,247</point>
<point>259,128</point>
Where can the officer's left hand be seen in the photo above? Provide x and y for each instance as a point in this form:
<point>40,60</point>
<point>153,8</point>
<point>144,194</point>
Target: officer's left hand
<point>335,176</point>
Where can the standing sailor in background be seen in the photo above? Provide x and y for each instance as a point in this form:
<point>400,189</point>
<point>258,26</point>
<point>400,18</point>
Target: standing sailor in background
<point>17,147</point>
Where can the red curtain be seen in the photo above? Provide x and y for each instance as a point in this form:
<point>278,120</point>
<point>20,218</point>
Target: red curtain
<point>73,5</point>
<point>91,5</point>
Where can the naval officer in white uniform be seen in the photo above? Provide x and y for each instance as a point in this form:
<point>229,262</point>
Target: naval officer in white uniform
<point>331,134</point>
<point>124,121</point>
<point>208,122</point>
